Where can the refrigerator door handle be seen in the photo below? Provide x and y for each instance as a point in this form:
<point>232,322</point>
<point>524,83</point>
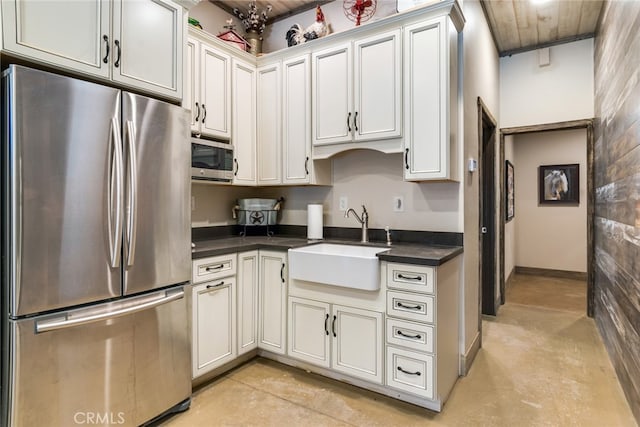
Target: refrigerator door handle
<point>115,174</point>
<point>133,189</point>
<point>69,321</point>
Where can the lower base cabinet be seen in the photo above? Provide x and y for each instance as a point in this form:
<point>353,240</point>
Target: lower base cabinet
<point>214,324</point>
<point>346,339</point>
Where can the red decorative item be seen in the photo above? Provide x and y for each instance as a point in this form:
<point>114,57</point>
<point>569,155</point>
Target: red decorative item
<point>359,10</point>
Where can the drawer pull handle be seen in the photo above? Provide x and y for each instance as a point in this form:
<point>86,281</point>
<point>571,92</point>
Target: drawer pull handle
<point>409,307</point>
<point>402,276</point>
<point>216,285</point>
<point>218,267</point>
<point>417,373</point>
<point>326,324</point>
<point>413,337</point>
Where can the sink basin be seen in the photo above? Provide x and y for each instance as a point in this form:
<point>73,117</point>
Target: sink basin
<point>348,266</point>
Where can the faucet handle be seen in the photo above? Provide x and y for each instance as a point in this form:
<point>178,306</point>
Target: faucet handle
<point>364,209</point>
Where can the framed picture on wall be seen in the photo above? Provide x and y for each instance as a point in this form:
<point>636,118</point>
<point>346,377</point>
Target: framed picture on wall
<point>510,191</point>
<point>559,184</point>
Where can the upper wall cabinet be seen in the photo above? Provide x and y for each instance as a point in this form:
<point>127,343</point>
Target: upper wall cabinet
<point>138,44</point>
<point>431,100</point>
<point>357,90</point>
<point>269,125</point>
<point>208,89</point>
<point>244,122</point>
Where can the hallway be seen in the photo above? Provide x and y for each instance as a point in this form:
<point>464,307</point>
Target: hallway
<point>538,366</point>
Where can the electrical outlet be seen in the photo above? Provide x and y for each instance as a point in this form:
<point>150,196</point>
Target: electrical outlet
<point>344,203</point>
<point>398,204</point>
<point>193,203</point>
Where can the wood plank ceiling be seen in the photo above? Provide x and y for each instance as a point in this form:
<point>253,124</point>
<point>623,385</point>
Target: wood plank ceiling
<point>516,25</point>
<point>520,25</point>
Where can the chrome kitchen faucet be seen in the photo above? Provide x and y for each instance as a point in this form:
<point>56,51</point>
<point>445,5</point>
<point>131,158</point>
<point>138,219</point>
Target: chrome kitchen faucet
<point>364,221</point>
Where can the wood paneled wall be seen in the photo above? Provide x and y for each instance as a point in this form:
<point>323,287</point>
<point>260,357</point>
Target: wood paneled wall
<point>617,182</point>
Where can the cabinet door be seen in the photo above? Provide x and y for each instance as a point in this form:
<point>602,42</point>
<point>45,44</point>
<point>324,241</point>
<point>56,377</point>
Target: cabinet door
<point>273,302</point>
<point>213,325</point>
<point>150,36</point>
<point>215,93</point>
<point>426,100</point>
<point>269,125</point>
<point>309,331</point>
<point>191,99</point>
<point>332,89</point>
<point>244,122</point>
<point>358,343</point>
<point>247,301</point>
<point>69,34</point>
<point>296,121</point>
<point>377,87</point>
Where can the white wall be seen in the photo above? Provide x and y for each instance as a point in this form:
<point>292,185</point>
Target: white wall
<point>549,236</point>
<point>510,227</point>
<point>364,177</point>
<point>561,91</point>
<point>212,18</point>
<point>481,78</point>
<point>274,35</point>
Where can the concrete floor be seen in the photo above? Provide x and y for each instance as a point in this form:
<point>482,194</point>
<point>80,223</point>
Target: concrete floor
<point>538,367</point>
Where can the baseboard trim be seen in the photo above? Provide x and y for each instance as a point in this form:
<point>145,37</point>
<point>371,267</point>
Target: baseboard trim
<point>562,274</point>
<point>510,278</point>
<point>466,360</point>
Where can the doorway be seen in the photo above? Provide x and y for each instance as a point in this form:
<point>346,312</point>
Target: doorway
<point>577,124</point>
<point>487,128</point>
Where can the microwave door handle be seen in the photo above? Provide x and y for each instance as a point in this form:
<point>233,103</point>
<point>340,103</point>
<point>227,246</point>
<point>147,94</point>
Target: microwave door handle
<point>115,184</point>
<point>133,188</point>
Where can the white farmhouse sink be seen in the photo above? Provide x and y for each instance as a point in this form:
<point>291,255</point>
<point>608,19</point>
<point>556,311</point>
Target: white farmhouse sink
<point>348,266</point>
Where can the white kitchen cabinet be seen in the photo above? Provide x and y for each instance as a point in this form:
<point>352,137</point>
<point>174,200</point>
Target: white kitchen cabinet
<point>422,330</point>
<point>273,301</point>
<point>135,43</point>
<point>269,116</point>
<point>298,165</point>
<point>344,339</point>
<point>357,90</point>
<point>247,301</point>
<point>430,101</point>
<point>309,336</point>
<point>213,324</point>
<point>243,127</point>
<point>208,89</point>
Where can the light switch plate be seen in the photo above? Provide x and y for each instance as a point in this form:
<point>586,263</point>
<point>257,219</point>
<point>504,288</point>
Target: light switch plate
<point>344,203</point>
<point>398,204</point>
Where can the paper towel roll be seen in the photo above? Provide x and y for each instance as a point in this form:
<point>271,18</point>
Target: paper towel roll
<point>314,221</point>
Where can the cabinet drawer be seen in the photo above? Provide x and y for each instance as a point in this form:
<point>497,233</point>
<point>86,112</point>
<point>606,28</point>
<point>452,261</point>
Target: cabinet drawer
<point>415,336</point>
<point>410,306</point>
<point>414,278</point>
<point>213,268</point>
<point>410,371</point>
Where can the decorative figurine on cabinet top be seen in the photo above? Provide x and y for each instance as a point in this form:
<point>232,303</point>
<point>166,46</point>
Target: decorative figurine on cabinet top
<point>296,35</point>
<point>233,38</point>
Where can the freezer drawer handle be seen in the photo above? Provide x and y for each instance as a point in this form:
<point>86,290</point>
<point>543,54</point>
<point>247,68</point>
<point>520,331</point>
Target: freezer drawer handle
<point>418,373</point>
<point>55,324</point>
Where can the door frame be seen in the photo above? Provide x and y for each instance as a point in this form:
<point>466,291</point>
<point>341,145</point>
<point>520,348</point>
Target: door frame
<point>549,127</point>
<point>484,115</point>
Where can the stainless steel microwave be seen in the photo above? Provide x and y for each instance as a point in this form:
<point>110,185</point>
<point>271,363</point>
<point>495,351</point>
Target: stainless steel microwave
<point>211,160</point>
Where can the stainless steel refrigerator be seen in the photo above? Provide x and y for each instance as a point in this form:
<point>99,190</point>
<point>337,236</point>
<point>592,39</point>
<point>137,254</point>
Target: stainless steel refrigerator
<point>96,251</point>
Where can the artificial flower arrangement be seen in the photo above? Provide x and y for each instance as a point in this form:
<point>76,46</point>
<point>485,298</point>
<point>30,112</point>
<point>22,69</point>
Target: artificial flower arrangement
<point>253,20</point>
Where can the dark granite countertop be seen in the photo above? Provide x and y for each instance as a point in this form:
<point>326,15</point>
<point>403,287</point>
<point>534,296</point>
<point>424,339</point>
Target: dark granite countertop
<point>410,253</point>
